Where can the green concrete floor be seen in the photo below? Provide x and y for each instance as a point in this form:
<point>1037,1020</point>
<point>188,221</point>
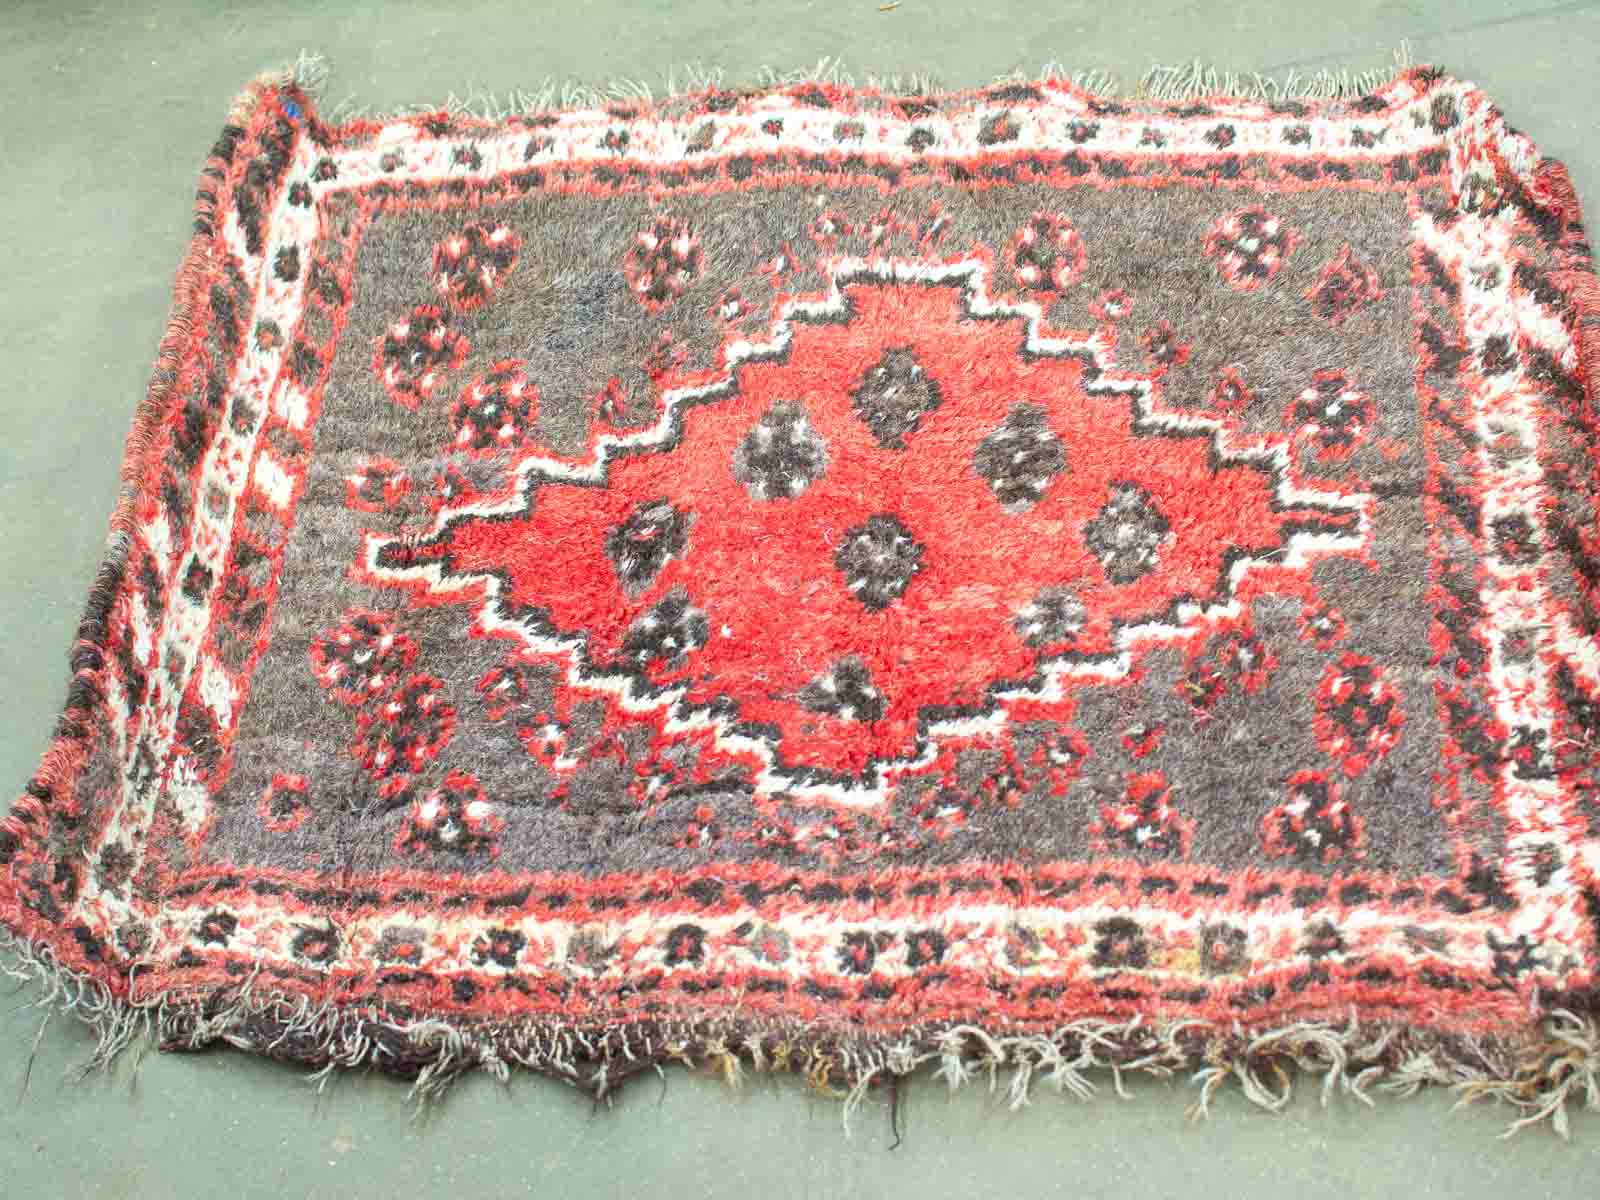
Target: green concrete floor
<point>105,114</point>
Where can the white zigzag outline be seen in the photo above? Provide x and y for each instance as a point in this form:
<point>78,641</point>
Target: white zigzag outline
<point>874,788</point>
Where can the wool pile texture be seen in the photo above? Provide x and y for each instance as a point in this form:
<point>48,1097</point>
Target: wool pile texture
<point>1020,581</point>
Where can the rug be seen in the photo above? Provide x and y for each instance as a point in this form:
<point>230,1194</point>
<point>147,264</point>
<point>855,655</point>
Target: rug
<point>1038,584</point>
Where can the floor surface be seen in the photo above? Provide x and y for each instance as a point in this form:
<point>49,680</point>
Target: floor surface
<point>105,114</point>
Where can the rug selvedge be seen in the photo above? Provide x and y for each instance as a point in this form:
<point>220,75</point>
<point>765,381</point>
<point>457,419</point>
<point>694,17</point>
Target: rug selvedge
<point>1120,962</point>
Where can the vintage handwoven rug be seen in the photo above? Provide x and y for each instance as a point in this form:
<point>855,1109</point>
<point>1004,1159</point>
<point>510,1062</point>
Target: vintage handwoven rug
<point>828,580</point>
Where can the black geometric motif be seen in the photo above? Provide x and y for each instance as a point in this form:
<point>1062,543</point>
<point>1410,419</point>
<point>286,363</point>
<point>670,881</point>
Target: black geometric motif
<point>1223,949</point>
<point>1054,615</point>
<point>879,559</point>
<point>672,629</point>
<point>654,534</point>
<point>1128,534</point>
<point>1334,412</point>
<point>845,690</point>
<point>1020,458</point>
<point>893,397</point>
<point>782,455</point>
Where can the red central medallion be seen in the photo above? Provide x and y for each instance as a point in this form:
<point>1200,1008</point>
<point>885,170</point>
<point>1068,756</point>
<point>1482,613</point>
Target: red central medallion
<point>909,500</point>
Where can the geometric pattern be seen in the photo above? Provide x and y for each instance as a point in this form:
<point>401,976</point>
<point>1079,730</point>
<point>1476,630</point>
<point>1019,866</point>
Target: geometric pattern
<point>885,561</point>
<point>837,635</point>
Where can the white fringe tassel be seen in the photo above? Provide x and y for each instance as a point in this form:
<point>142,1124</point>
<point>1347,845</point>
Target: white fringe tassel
<point>1552,1069</point>
<point>1191,81</point>
<point>1176,83</point>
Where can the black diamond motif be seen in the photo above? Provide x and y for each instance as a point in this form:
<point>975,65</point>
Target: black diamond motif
<point>1128,534</point>
<point>654,534</point>
<point>879,558</point>
<point>670,631</point>
<point>845,690</point>
<point>894,396</point>
<point>782,455</point>
<point>1054,615</point>
<point>1020,458</point>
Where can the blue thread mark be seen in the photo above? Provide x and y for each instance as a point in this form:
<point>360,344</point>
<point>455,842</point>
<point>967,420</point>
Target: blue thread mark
<point>291,110</point>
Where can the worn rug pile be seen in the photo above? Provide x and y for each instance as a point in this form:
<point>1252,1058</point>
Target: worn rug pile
<point>1018,581</point>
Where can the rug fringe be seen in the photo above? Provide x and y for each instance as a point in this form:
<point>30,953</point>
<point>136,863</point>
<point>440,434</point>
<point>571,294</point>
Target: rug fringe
<point>1556,1068</point>
<point>1162,82</point>
<point>1191,81</point>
